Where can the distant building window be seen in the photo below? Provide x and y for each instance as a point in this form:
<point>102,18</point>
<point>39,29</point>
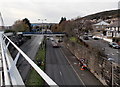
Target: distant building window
<point>97,27</point>
<point>102,26</point>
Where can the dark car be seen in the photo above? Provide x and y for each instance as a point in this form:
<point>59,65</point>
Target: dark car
<point>60,40</point>
<point>85,37</point>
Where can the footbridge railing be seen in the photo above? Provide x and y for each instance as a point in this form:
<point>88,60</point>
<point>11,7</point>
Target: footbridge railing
<point>11,75</point>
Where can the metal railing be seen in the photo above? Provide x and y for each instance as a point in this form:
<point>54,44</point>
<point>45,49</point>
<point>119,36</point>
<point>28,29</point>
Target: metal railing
<point>11,74</point>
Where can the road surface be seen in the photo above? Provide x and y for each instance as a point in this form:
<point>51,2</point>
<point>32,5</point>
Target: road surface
<point>58,68</point>
<point>110,52</point>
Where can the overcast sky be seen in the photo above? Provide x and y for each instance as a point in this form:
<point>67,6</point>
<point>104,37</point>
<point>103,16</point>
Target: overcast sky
<point>52,10</point>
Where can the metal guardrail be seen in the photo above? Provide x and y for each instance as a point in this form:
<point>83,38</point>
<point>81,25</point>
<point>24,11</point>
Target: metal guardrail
<point>11,73</point>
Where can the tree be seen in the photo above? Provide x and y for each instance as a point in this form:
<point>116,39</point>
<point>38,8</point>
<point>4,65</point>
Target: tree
<point>88,26</point>
<point>27,22</point>
<point>20,26</point>
<point>62,19</point>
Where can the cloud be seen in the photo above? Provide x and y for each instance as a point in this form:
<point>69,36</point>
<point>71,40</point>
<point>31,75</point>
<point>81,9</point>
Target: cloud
<point>52,10</point>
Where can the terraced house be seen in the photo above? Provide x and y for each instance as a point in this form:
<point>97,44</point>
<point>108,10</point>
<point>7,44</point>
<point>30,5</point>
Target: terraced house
<point>113,30</point>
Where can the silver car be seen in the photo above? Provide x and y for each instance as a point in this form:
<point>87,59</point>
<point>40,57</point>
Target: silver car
<point>114,45</point>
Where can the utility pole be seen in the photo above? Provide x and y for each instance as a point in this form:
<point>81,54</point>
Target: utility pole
<point>112,71</point>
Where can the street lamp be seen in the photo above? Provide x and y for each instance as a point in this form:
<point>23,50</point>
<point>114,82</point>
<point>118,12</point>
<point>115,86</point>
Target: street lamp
<point>111,59</point>
<point>42,30</point>
<point>42,22</point>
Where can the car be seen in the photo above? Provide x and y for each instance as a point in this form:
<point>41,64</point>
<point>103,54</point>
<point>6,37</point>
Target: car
<point>97,38</point>
<point>52,39</point>
<point>90,35</point>
<point>60,40</point>
<point>55,44</point>
<point>47,38</point>
<point>85,37</point>
<point>114,45</point>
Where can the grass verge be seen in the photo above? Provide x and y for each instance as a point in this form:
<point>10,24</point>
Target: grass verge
<point>34,78</point>
<point>73,39</point>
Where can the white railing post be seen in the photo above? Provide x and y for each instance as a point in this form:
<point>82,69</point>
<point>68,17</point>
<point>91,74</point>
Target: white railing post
<point>7,44</point>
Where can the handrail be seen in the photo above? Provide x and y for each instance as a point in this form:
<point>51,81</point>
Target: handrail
<point>6,76</point>
<point>39,71</point>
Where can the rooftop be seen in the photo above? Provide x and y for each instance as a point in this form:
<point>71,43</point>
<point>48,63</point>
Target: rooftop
<point>115,24</point>
<point>102,23</point>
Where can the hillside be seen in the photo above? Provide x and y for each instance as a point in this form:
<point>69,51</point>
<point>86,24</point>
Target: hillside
<point>84,24</point>
<point>104,15</point>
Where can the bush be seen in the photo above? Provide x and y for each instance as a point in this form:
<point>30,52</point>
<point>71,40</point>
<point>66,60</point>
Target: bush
<point>7,31</point>
<point>116,39</point>
<point>73,39</point>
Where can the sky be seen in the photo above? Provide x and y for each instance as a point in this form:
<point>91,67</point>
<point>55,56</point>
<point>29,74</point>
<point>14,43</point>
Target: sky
<point>52,10</point>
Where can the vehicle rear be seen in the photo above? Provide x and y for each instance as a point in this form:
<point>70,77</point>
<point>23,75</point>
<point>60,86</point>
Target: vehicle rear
<point>55,44</point>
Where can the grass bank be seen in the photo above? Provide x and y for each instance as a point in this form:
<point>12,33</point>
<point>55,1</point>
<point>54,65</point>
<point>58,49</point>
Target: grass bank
<point>34,78</point>
<point>73,39</point>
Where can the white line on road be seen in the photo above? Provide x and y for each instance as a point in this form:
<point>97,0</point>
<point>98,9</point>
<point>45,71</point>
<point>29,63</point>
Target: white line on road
<point>73,68</point>
<point>60,73</point>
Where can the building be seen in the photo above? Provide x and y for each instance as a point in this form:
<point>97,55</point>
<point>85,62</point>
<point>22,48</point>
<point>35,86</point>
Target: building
<point>113,30</point>
<point>100,27</point>
<point>3,28</point>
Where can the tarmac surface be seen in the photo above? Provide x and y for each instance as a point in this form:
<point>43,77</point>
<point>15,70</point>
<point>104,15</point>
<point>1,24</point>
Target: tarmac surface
<point>85,75</point>
<point>62,66</point>
<point>58,68</point>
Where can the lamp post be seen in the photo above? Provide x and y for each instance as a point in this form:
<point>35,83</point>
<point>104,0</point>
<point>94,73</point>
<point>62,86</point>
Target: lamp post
<point>42,22</point>
<point>44,42</point>
<point>111,59</point>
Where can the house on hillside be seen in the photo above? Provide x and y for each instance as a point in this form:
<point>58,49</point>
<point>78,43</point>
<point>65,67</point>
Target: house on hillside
<point>2,28</point>
<point>100,27</point>
<point>113,30</point>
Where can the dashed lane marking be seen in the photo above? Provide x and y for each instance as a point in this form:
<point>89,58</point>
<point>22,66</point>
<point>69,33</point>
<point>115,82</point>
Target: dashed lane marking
<point>60,73</point>
<point>73,68</point>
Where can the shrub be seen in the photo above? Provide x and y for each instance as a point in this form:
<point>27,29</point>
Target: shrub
<point>116,39</point>
<point>7,31</point>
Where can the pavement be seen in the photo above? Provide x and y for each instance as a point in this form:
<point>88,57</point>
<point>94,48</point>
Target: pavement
<point>106,39</point>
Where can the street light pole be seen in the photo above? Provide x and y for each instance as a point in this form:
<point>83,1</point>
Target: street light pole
<point>112,75</point>
<point>111,59</point>
<point>42,22</point>
<point>42,30</point>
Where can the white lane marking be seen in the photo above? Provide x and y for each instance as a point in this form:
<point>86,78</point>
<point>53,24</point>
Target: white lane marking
<point>60,73</point>
<point>73,68</point>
